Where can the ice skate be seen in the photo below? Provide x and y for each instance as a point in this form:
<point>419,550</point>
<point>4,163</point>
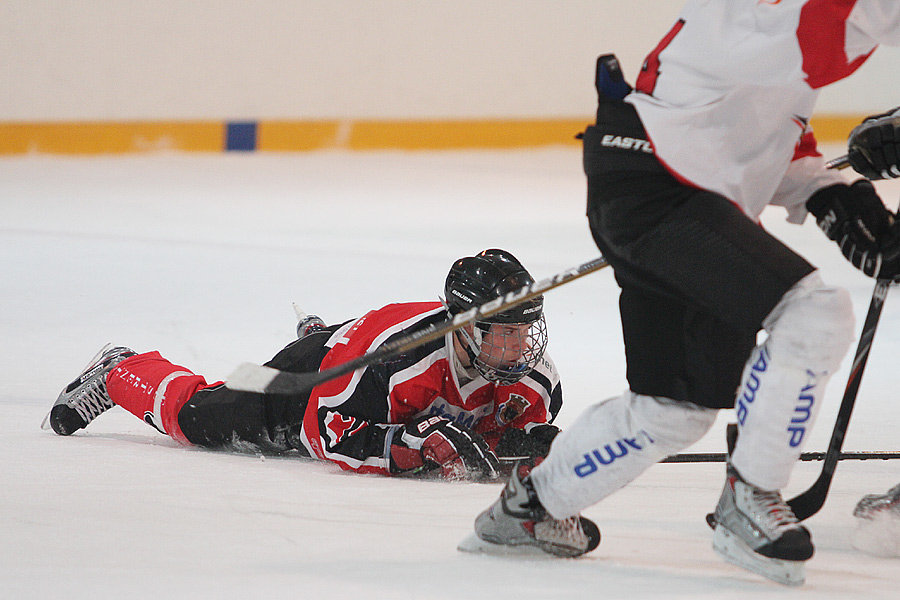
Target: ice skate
<point>86,398</point>
<point>517,524</point>
<point>878,523</point>
<point>756,529</point>
<point>873,505</point>
<point>307,324</point>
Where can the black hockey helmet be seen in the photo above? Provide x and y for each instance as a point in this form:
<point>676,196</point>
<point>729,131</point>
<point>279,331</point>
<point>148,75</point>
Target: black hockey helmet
<point>476,280</point>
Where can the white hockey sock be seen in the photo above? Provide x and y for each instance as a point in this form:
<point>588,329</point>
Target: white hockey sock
<point>776,408</point>
<point>610,444</point>
<point>784,381</point>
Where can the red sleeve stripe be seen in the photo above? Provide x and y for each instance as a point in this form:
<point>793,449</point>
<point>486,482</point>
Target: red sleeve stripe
<point>806,146</point>
<point>821,34</point>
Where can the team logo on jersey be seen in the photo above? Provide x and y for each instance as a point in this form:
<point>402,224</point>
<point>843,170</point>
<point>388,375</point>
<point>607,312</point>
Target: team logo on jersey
<point>512,409</point>
<point>459,415</point>
<point>339,427</point>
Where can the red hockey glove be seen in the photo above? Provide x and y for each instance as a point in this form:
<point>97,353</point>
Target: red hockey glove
<point>855,217</point>
<point>430,443</point>
<point>874,146</point>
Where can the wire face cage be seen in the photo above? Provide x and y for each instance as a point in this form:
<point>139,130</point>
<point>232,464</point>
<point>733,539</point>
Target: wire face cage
<point>507,352</point>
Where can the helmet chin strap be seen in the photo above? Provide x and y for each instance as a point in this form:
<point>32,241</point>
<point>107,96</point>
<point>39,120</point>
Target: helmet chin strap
<point>469,345</point>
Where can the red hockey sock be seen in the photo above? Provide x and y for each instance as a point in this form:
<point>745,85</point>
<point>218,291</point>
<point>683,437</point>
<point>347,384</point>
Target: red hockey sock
<point>154,390</point>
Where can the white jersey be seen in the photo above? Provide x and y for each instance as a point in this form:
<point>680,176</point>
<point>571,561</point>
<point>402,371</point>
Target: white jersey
<point>727,95</point>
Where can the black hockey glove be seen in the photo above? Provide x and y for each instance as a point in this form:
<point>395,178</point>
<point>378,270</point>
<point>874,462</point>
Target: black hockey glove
<point>533,443</point>
<point>855,217</point>
<point>430,443</point>
<point>874,146</point>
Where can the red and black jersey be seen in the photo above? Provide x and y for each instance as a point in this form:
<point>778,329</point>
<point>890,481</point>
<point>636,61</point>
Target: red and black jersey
<point>352,420</point>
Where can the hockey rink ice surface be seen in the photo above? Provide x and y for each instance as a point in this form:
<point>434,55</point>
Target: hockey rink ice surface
<point>200,256</point>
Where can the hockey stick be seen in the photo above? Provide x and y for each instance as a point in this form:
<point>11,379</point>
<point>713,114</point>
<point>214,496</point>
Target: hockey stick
<point>841,162</point>
<point>809,502</point>
<point>250,377</point>
<point>717,457</point>
<point>720,457</point>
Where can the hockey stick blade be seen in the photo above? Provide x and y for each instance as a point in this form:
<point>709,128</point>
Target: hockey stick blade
<point>250,377</point>
<point>810,502</point>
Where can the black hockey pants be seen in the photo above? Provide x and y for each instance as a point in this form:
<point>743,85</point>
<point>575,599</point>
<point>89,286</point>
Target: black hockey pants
<point>217,417</point>
<point>697,276</point>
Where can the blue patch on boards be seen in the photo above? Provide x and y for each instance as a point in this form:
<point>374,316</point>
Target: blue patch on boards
<point>240,136</point>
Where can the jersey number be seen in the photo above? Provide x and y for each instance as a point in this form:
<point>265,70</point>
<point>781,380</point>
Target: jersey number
<point>646,81</point>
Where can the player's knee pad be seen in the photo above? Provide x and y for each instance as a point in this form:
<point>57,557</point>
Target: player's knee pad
<point>812,326</point>
<point>610,444</point>
<point>673,425</point>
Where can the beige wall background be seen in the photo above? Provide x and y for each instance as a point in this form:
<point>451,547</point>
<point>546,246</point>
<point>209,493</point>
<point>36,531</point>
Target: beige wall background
<point>87,60</point>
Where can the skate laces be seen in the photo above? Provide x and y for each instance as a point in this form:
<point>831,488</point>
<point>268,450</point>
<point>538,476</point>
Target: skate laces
<point>561,532</point>
<point>777,512</point>
<point>540,524</point>
<point>91,401</point>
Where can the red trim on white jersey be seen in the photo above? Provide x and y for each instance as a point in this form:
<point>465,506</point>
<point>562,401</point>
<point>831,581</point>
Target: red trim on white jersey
<point>822,35</point>
<point>731,82</point>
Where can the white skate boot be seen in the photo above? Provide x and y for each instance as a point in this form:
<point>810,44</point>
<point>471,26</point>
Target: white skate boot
<point>86,398</point>
<point>756,529</point>
<point>517,523</point>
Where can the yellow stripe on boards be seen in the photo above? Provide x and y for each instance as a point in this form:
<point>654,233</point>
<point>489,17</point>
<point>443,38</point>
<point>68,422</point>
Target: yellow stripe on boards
<point>834,128</point>
<point>293,136</point>
<point>444,135</point>
<point>298,136</point>
<point>109,137</point>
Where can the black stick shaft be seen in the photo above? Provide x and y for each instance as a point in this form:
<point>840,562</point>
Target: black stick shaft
<point>809,502</point>
<point>250,377</point>
<point>720,457</point>
<point>717,457</point>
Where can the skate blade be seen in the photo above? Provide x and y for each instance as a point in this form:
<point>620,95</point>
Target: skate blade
<point>734,550</point>
<point>475,545</point>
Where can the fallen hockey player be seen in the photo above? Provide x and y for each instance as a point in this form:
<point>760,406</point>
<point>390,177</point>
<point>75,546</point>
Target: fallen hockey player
<point>446,408</point>
<point>677,176</point>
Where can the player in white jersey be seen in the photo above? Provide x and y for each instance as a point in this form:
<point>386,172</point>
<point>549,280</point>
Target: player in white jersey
<point>678,173</point>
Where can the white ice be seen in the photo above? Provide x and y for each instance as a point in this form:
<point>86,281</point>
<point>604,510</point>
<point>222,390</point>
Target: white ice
<point>200,257</point>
